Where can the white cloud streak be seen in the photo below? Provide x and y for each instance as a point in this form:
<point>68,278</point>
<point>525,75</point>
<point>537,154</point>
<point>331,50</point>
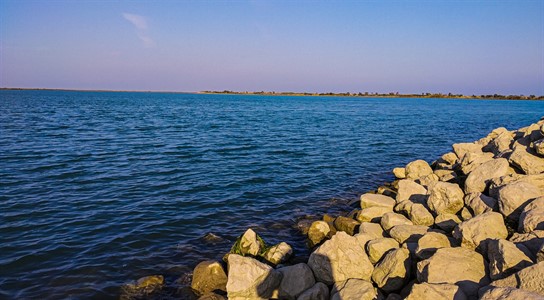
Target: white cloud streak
<point>140,24</point>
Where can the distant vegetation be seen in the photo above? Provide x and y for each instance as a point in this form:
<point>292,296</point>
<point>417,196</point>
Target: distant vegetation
<point>387,95</point>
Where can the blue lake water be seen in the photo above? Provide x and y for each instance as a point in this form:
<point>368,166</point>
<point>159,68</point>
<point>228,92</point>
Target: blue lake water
<point>100,188</point>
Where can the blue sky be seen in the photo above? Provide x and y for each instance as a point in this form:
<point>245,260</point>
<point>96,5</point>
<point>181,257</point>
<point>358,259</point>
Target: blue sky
<point>470,47</point>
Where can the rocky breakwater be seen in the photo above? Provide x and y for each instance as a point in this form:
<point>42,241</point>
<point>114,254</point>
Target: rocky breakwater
<point>468,226</point>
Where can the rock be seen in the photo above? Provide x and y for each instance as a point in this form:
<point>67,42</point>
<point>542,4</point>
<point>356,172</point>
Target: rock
<point>348,225</point>
<point>211,296</point>
<point>465,214</point>
<point>427,180</point>
<point>249,244</point>
<point>408,233</point>
<point>409,190</point>
<point>391,219</point>
<point>531,241</point>
<point>143,287</point>
<point>377,248</point>
<point>372,200</point>
<point>446,175</point>
<point>449,158</point>
<point>540,254</point>
<point>532,216</point>
<point>399,173</point>
<point>483,227</point>
<point>538,147</point>
<point>419,215</point>
<point>527,160</point>
<point>429,243</point>
<point>480,203</point>
<point>514,196</point>
<point>387,191</point>
<point>393,296</point>
<point>318,292</point>
<point>278,253</point>
<point>318,232</point>
<point>460,266</point>
<point>404,207</point>
<point>461,149</point>
<point>303,225</point>
<point>372,229</point>
<point>529,279</point>
<point>505,259</point>
<point>250,279</point>
<point>472,160</point>
<point>509,293</point>
<point>209,276</point>
<point>372,214</point>
<point>393,271</point>
<point>418,169</point>
<point>436,291</point>
<point>445,197</point>
<point>477,179</point>
<point>503,142</point>
<point>447,222</point>
<point>296,279</point>
<point>353,289</point>
<point>340,258</point>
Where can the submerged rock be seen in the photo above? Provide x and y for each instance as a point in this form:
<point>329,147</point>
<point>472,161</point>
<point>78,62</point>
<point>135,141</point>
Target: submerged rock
<point>209,276</point>
<point>143,287</point>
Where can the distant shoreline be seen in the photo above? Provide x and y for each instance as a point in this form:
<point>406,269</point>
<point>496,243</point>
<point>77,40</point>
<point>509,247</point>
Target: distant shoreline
<point>263,93</point>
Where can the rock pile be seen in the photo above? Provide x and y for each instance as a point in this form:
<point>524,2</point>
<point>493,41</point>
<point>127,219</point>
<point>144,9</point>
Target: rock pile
<point>468,226</point>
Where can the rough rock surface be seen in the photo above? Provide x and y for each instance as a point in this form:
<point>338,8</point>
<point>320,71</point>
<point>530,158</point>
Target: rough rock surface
<point>514,196</point>
<point>340,258</point>
<point>461,149</point>
<point>509,293</point>
<point>483,227</point>
<point>408,233</point>
<point>278,253</point>
<point>393,271</point>
<point>532,216</point>
<point>445,197</point>
<point>371,200</point>
<point>529,279</point>
<point>372,229</point>
<point>477,179</point>
<point>318,232</point>
<point>372,214</point>
<point>419,215</point>
<point>296,279</point>
<point>377,248</point>
<point>249,244</point>
<point>527,160</point>
<point>505,259</point>
<point>430,243</point>
<point>409,190</point>
<point>354,289</point>
<point>249,278</point>
<point>436,291</point>
<point>399,173</point>
<point>480,203</point>
<point>460,266</point>
<point>318,292</point>
<point>447,222</point>
<point>417,169</point>
<point>348,225</point>
<point>391,219</point>
<point>538,147</point>
<point>209,276</point>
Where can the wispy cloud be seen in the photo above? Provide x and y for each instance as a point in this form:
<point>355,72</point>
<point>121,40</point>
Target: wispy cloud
<point>142,29</point>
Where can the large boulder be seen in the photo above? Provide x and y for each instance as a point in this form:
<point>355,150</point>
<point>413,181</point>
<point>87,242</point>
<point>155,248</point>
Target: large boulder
<point>377,248</point>
<point>514,196</point>
<point>393,271</point>
<point>348,225</point>
<point>371,200</point>
<point>209,276</point>
<point>409,190</point>
<point>417,169</point>
<point>408,233</point>
<point>250,279</point>
<point>419,215</point>
<point>372,214</point>
<point>530,279</point>
<point>483,227</point>
<point>461,149</point>
<point>505,258</point>
<point>436,291</point>
<point>460,266</point>
<point>318,232</point>
<point>391,219</point>
<point>319,291</point>
<point>532,216</point>
<point>372,229</point>
<point>430,243</point>
<point>278,253</point>
<point>480,203</point>
<point>502,143</point>
<point>340,258</point>
<point>531,241</point>
<point>527,160</point>
<point>478,179</point>
<point>296,279</point>
<point>509,293</point>
<point>445,197</point>
<point>354,289</point>
<point>472,160</point>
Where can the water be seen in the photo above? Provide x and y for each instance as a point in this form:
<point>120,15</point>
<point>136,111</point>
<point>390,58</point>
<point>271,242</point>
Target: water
<point>99,188</point>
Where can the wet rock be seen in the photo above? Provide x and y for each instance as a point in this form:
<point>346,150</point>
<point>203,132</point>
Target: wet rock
<point>143,287</point>
<point>505,259</point>
<point>377,248</point>
<point>250,279</point>
<point>372,214</point>
<point>354,289</point>
<point>278,253</point>
<point>409,190</point>
<point>477,179</point>
<point>318,292</point>
<point>372,229</point>
<point>483,227</point>
<point>419,215</point>
<point>372,200</point>
<point>447,222</point>
<point>514,196</point>
<point>399,173</point>
<point>348,225</point>
<point>393,271</point>
<point>318,232</point>
<point>529,279</point>
<point>408,233</point>
<point>445,197</point>
<point>209,276</point>
<point>296,279</point>
<point>527,160</point>
<point>460,266</point>
<point>340,258</point>
<point>509,293</point>
<point>436,291</point>
<point>480,203</point>
<point>461,149</point>
<point>430,243</point>
<point>532,216</point>
<point>391,219</point>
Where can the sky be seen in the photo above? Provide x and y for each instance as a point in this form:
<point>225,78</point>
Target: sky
<point>462,46</point>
